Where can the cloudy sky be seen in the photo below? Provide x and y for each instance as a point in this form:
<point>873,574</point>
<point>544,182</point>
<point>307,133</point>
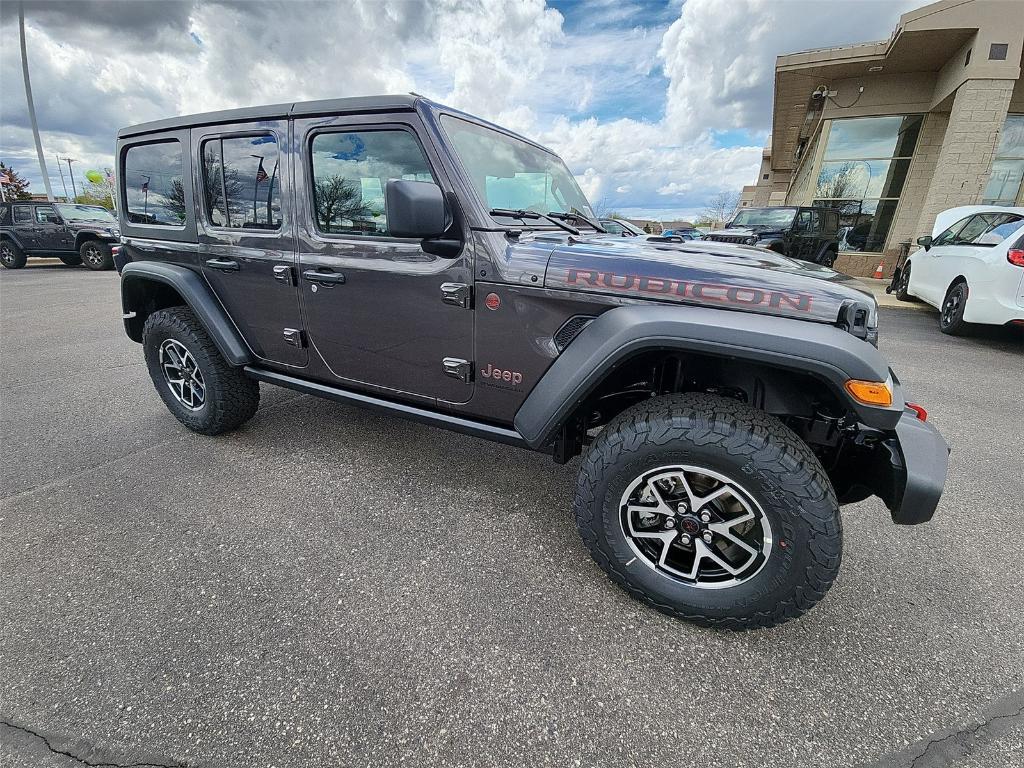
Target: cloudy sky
<point>655,106</point>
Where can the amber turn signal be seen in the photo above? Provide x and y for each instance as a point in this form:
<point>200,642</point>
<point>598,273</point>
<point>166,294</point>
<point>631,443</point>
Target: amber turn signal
<point>870,392</point>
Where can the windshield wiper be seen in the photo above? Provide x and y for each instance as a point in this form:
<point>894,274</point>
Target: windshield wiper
<point>521,214</point>
<point>575,215</point>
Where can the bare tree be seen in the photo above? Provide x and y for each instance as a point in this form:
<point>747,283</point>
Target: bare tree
<point>837,183</point>
<point>719,209</point>
<point>335,198</point>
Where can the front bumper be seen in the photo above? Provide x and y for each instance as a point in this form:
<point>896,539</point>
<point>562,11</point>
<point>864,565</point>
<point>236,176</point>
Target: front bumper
<point>909,471</point>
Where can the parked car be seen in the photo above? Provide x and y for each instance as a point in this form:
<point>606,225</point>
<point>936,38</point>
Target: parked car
<point>621,227</point>
<point>686,233</point>
<point>971,268</point>
<point>76,234</point>
<point>419,261</point>
<point>807,233</point>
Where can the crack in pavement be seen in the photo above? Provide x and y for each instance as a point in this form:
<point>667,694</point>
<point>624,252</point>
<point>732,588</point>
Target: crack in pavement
<point>82,760</point>
<point>936,750</point>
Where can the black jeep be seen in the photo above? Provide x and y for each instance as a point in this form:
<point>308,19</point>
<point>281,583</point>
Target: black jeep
<point>76,234</point>
<point>810,234</point>
<point>395,254</point>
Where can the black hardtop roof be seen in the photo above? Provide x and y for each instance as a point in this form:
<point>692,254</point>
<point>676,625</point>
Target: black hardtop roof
<point>404,101</point>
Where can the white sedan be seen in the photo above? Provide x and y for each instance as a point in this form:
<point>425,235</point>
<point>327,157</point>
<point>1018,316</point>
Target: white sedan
<point>971,268</point>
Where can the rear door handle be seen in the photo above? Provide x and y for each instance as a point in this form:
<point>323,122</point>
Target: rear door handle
<point>323,276</point>
<point>224,265</point>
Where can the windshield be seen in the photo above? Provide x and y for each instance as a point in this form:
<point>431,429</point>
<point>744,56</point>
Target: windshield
<point>764,217</point>
<point>510,173</point>
<point>85,213</point>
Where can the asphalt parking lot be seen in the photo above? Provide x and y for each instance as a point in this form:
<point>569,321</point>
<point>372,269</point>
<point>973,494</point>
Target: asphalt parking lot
<point>332,587</point>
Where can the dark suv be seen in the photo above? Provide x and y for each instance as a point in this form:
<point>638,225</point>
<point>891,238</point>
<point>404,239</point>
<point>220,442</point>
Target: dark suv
<point>810,234</point>
<point>76,234</point>
<point>395,254</point>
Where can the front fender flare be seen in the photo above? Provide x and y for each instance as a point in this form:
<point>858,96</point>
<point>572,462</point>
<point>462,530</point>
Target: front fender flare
<point>137,276</point>
<point>821,350</point>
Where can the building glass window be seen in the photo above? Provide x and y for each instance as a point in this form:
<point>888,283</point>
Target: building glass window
<point>863,170</point>
<point>1004,185</point>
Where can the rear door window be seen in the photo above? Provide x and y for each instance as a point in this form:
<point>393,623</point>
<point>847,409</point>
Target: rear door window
<point>154,192</point>
<point>241,182</point>
<point>22,214</point>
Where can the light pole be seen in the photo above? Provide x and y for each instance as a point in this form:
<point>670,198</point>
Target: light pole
<point>31,104</point>
<point>62,182</point>
<point>74,191</point>
<point>256,186</point>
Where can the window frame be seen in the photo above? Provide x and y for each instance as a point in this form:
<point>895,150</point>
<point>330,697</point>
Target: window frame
<point>186,233</point>
<point>16,209</point>
<point>203,208</point>
<point>309,181</point>
<point>39,208</point>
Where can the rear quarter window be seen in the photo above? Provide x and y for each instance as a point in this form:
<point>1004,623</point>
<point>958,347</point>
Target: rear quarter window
<point>153,184</point>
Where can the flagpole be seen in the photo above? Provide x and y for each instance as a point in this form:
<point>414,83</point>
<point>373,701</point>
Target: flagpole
<point>31,104</point>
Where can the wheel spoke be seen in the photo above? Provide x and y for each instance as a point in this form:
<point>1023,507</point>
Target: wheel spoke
<point>723,531</point>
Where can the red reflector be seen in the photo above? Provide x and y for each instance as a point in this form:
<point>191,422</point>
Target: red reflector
<point>492,301</point>
<point>922,414</point>
<point>1015,256</point>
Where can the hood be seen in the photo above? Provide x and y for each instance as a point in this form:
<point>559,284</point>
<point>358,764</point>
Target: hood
<point>745,231</point>
<point>93,226</point>
<point>701,272</point>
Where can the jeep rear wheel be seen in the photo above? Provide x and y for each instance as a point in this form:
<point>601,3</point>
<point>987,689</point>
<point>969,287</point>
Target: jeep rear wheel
<point>711,511</point>
<point>11,256</point>
<point>96,255</point>
<point>197,385</point>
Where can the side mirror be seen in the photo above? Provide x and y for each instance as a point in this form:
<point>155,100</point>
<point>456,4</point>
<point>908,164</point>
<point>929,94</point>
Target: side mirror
<point>925,242</point>
<point>415,209</point>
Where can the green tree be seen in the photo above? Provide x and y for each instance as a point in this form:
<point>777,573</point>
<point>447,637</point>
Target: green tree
<point>96,194</point>
<point>17,188</point>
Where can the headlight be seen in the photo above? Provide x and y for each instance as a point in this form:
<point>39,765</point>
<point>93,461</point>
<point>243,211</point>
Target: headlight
<point>751,241</point>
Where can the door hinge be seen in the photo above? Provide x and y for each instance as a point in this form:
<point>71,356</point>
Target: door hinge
<point>294,337</point>
<point>457,294</point>
<point>458,369</point>
<point>283,274</point>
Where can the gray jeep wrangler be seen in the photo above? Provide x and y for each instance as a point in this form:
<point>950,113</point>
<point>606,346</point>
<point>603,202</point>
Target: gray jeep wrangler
<point>395,254</point>
<point>76,234</point>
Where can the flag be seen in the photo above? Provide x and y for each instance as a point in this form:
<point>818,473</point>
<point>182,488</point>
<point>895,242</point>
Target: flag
<point>261,175</point>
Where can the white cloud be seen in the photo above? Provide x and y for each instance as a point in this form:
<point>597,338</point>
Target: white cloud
<point>97,66</point>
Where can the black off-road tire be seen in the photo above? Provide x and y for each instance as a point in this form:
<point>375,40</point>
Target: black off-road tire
<point>96,255</point>
<point>951,313</point>
<point>11,256</point>
<point>71,261</point>
<point>231,397</point>
<point>903,285</point>
<point>778,470</point>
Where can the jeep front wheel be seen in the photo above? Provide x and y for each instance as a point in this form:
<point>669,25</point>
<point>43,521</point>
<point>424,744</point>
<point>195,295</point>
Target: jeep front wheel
<point>710,510</point>
<point>96,255</point>
<point>197,385</point>
<point>11,256</point>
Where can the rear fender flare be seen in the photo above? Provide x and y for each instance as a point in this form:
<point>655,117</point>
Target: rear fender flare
<point>824,351</point>
<point>137,284</point>
<point>9,235</point>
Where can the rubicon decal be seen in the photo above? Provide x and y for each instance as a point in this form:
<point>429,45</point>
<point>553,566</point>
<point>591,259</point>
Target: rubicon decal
<point>499,374</point>
<point>737,295</point>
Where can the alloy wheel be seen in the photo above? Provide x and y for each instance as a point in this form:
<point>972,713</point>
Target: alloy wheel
<point>182,373</point>
<point>696,526</point>
<point>93,254</point>
<point>6,254</point>
<point>951,306</point>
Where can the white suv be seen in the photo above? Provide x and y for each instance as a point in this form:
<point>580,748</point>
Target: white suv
<point>971,268</point>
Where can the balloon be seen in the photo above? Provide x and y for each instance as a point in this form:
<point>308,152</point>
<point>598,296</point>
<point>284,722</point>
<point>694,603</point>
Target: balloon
<point>94,176</point>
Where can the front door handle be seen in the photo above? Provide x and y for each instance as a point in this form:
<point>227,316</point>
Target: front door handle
<point>324,276</point>
<point>224,265</point>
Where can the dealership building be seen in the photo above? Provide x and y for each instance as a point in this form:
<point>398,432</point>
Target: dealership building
<point>891,133</point>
